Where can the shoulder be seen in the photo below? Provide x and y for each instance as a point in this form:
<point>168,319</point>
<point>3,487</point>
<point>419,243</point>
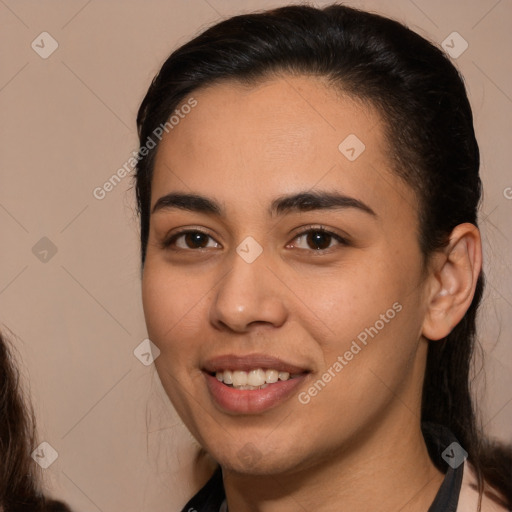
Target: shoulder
<point>468,498</point>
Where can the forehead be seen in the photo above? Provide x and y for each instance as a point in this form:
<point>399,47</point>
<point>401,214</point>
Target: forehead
<point>249,143</point>
<point>281,113</point>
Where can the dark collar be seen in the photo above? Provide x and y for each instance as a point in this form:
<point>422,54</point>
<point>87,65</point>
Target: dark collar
<point>445,452</point>
<point>438,440</point>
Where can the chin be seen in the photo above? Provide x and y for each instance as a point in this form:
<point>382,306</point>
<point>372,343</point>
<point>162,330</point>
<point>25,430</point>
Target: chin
<point>256,467</point>
<point>257,459</point>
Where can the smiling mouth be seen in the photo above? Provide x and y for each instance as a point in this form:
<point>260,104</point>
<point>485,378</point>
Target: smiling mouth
<point>252,383</point>
<point>259,378</point>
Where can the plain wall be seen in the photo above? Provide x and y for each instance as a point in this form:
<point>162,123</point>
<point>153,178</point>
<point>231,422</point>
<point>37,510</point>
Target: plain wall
<point>67,125</point>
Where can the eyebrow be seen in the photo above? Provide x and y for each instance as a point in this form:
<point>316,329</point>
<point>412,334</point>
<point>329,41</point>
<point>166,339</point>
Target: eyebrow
<point>300,202</point>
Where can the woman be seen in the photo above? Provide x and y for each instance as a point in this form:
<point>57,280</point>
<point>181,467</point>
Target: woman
<point>308,188</point>
<point>20,489</point>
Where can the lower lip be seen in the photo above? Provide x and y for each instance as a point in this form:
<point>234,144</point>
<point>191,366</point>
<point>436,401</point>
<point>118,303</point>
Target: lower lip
<point>251,401</point>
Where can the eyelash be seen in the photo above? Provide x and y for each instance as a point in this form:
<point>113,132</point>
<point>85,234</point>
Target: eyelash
<point>166,244</point>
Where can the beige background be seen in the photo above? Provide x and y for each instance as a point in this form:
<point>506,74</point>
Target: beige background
<point>67,124</point>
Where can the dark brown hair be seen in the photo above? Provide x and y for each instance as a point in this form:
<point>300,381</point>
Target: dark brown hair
<point>429,127</point>
<point>20,489</point>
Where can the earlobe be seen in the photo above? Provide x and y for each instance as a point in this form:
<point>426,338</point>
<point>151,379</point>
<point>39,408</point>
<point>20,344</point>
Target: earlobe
<point>454,275</point>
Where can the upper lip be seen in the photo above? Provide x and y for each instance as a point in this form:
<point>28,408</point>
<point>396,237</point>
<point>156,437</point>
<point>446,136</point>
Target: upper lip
<point>250,362</point>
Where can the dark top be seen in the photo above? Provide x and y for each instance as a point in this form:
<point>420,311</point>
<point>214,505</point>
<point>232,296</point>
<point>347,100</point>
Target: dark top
<point>437,438</point>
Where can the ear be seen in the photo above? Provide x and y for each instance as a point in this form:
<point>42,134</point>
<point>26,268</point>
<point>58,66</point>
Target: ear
<point>453,277</point>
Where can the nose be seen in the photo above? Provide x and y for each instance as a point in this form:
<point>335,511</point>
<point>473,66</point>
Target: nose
<point>249,294</point>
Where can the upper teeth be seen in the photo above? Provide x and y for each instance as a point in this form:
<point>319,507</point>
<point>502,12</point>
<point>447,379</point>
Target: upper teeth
<point>254,378</point>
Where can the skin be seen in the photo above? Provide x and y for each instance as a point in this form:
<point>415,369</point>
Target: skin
<point>359,437</point>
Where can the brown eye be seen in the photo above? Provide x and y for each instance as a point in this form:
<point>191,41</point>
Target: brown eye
<point>190,239</point>
<point>195,240</point>
<point>319,239</point>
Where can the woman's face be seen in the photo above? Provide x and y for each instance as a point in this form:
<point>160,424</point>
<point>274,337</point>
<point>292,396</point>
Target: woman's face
<point>254,293</point>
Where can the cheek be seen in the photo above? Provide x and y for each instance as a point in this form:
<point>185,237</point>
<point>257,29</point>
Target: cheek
<point>374,321</point>
<point>172,307</point>
<point>349,300</point>
<point>367,366</point>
